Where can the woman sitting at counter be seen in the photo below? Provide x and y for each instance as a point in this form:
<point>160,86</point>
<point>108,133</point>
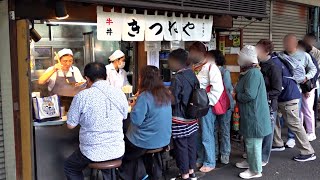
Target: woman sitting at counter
<point>150,126</point>
<point>63,79</point>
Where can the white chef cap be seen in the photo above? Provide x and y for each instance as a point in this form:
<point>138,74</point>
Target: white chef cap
<point>64,52</point>
<point>116,55</point>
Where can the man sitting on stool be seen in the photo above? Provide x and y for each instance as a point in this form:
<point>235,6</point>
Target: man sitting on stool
<point>99,110</point>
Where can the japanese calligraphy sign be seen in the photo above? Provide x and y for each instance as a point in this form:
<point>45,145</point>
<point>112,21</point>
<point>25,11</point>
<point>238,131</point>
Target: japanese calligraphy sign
<point>109,25</point>
<point>133,27</point>
<point>174,29</point>
<point>155,27</point>
<point>137,27</point>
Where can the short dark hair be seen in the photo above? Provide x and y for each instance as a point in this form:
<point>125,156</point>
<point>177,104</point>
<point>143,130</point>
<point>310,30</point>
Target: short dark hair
<point>306,46</point>
<point>267,45</point>
<point>179,55</point>
<point>95,71</point>
<point>198,46</point>
<point>311,35</point>
<point>218,57</point>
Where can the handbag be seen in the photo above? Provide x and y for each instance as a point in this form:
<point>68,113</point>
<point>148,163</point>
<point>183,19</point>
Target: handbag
<point>223,104</point>
<point>47,107</point>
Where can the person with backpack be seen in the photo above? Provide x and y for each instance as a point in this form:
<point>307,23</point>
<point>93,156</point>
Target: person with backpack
<point>250,93</point>
<point>184,127</point>
<point>291,49</point>
<point>273,80</point>
<point>223,121</point>
<point>288,106</point>
<point>310,87</point>
<point>210,78</point>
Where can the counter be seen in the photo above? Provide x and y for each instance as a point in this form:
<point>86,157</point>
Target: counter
<point>53,144</point>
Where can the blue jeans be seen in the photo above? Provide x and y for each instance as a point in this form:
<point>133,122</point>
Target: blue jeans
<point>223,124</point>
<point>253,148</point>
<point>290,133</point>
<point>206,141</point>
<point>268,140</point>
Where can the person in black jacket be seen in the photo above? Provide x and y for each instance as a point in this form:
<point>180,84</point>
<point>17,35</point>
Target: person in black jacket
<point>273,80</point>
<point>184,129</point>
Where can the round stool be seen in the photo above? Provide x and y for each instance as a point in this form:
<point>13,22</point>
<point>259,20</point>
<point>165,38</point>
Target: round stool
<point>111,165</point>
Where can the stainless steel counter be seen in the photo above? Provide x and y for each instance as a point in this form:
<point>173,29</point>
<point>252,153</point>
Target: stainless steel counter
<point>53,144</point>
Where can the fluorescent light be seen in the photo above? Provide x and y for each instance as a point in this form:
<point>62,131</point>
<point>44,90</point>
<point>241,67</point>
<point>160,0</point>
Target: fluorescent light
<point>70,23</point>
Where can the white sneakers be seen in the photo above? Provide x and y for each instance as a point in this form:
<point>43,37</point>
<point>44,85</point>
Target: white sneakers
<point>249,175</point>
<point>291,143</point>
<point>245,165</point>
<point>311,137</point>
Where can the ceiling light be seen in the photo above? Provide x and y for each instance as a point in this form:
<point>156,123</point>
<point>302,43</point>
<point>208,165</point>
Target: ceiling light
<point>60,10</point>
<point>35,35</point>
<point>70,23</point>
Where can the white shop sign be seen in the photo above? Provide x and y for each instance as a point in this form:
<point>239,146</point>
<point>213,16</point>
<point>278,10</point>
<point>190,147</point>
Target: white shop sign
<point>113,26</point>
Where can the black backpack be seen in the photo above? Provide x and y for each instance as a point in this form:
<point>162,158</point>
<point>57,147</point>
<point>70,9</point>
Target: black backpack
<point>198,105</point>
<point>312,83</point>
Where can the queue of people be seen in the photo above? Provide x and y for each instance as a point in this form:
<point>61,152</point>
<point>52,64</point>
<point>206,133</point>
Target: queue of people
<point>266,93</point>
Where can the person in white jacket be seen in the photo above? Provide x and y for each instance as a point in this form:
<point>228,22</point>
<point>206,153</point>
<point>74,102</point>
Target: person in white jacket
<point>116,75</point>
<point>209,76</point>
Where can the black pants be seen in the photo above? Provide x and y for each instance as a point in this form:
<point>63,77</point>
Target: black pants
<point>186,153</point>
<point>136,164</point>
<point>76,163</point>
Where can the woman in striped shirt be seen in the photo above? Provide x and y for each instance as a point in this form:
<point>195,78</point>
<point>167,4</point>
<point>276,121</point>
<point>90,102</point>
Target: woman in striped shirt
<point>183,128</point>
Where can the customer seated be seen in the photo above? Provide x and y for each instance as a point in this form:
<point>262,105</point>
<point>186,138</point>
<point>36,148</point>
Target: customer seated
<point>150,126</point>
<point>99,110</point>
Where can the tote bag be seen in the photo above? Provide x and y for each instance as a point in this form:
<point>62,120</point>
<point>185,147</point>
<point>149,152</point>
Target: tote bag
<point>223,104</point>
<point>47,107</point>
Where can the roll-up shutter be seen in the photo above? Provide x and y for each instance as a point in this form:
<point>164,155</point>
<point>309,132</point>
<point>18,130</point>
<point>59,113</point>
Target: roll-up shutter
<point>2,165</point>
<point>249,8</point>
<point>254,30</point>
<point>288,18</point>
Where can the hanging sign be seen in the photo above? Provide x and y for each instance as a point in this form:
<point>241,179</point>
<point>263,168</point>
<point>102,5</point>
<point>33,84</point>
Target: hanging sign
<point>155,27</point>
<point>109,25</point>
<point>113,26</point>
<point>206,29</point>
<point>133,27</point>
<point>173,32</point>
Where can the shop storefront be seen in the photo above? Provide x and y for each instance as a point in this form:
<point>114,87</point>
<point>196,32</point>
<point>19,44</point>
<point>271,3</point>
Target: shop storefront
<point>44,145</point>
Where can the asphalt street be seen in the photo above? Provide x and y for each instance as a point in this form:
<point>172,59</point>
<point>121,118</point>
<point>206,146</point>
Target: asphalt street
<point>280,167</point>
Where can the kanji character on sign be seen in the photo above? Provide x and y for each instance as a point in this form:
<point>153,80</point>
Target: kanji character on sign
<point>109,31</point>
<point>189,26</point>
<point>154,25</point>
<point>171,25</point>
<point>134,27</point>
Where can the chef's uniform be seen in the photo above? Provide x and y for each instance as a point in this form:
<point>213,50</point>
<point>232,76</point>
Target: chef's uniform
<point>116,78</point>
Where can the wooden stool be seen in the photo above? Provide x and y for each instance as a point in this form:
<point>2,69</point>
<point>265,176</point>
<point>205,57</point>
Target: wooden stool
<point>98,166</point>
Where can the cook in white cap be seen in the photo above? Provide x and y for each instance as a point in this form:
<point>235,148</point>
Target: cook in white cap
<point>63,79</point>
<point>116,75</point>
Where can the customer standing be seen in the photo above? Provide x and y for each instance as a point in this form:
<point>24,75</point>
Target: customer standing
<point>289,108</point>
<point>99,110</point>
<point>184,129</point>
<point>209,76</point>
<point>251,95</point>
<point>273,80</point>
<point>223,121</point>
<point>307,112</point>
<point>150,126</point>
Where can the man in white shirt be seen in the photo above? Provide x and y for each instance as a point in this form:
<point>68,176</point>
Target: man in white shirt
<point>99,110</point>
<point>63,79</point>
<point>116,75</point>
